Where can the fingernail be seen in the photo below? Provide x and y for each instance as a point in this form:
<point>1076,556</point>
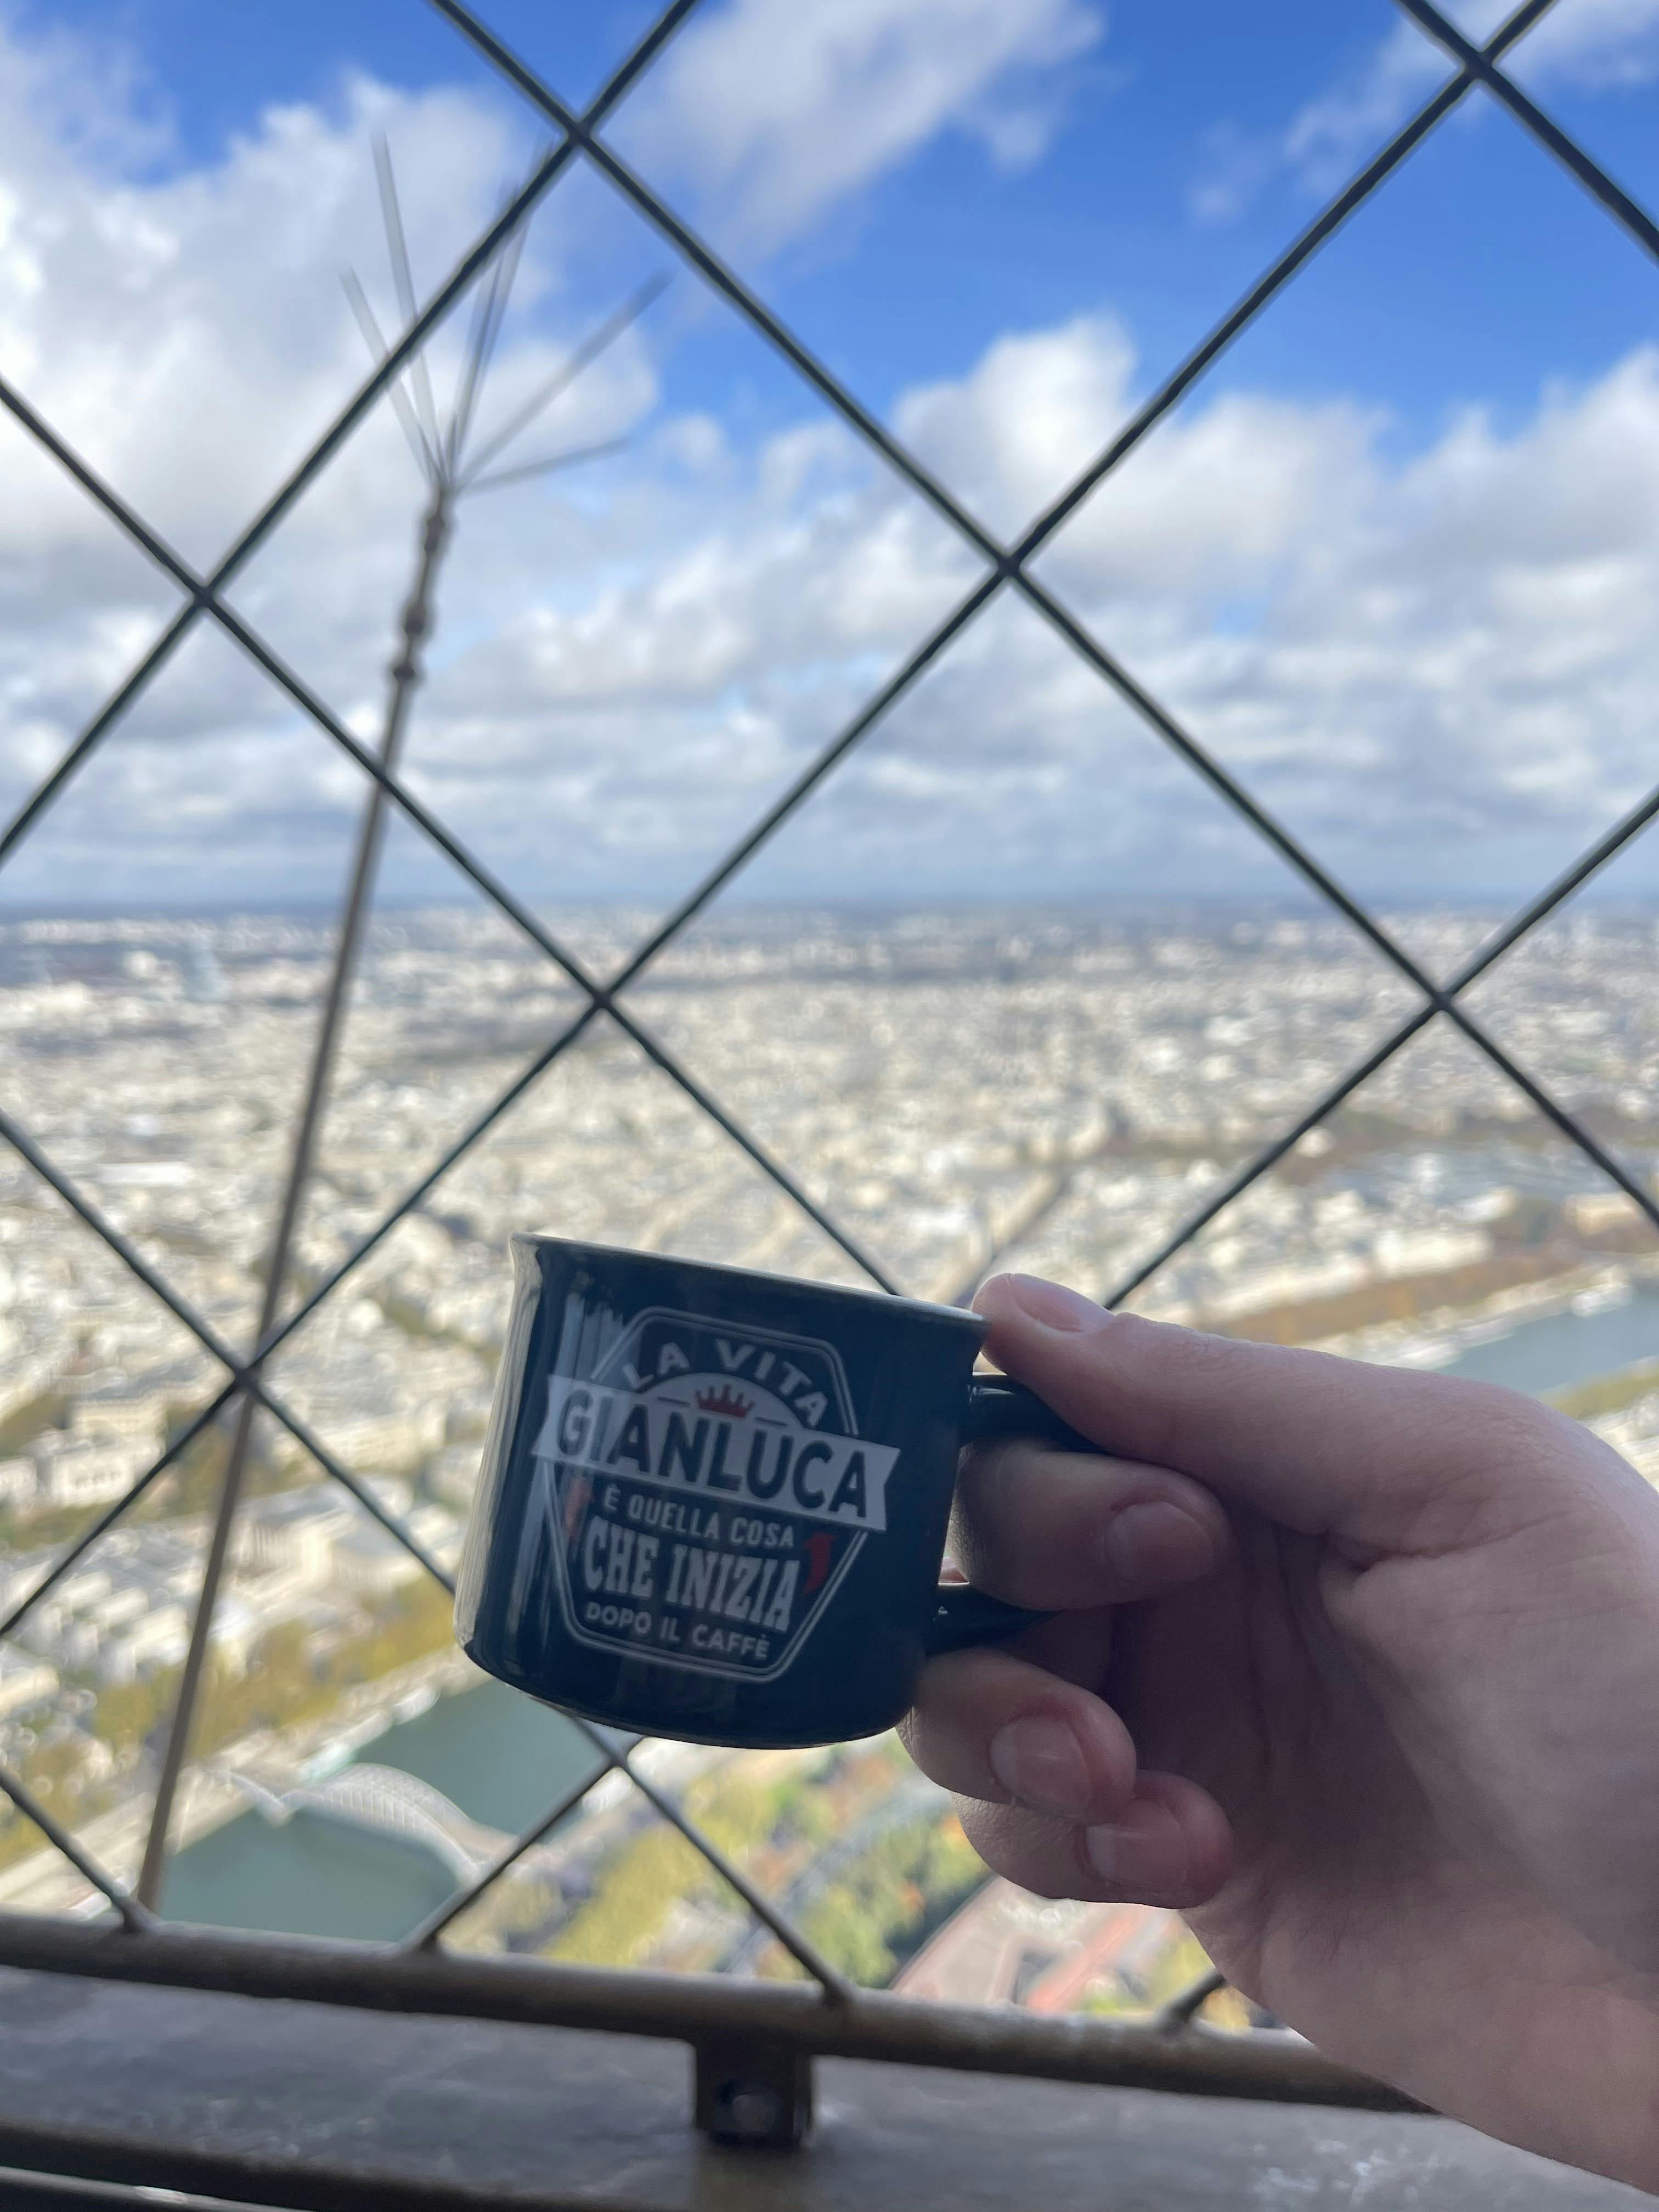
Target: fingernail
<point>1155,1544</point>
<point>1056,1306</point>
<point>1039,1761</point>
<point>1147,1851</point>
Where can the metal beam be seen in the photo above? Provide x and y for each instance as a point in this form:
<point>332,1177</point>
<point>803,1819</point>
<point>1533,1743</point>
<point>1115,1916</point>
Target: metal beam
<point>700,2009</point>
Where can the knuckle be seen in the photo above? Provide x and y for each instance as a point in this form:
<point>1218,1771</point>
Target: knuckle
<point>1039,1853</point>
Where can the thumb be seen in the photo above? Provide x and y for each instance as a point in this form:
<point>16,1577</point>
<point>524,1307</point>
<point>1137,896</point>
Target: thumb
<point>1378,1457</point>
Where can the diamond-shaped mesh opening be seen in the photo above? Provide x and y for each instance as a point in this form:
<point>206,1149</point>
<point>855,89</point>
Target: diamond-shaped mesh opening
<point>93,1665</point>
<point>1401,595</point>
<point>618,1883</point>
<point>170,322</point>
<point>1032,1023</point>
<point>1229,1074</point>
<point>362,1767</point>
<point>635,653</point>
<point>687,1187</point>
<point>1395,1186</point>
<point>899,1869</point>
<point>326,1633</point>
<point>1592,70</point>
<point>604,1145</point>
<point>1436,1204</point>
<point>99,1376</point>
<point>624,1887</point>
<point>449,1003</point>
<point>163,1044</point>
<point>1574,1001</point>
<point>1004,346</point>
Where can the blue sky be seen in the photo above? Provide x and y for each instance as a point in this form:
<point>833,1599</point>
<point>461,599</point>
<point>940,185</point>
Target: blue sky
<point>1011,223</point>
<point>1496,270</point>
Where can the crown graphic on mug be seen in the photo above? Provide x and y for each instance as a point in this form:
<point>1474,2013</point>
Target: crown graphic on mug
<point>696,1475</point>
<point>727,1402</point>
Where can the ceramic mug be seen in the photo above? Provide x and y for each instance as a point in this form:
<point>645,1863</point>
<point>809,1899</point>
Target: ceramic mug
<point>714,1502</point>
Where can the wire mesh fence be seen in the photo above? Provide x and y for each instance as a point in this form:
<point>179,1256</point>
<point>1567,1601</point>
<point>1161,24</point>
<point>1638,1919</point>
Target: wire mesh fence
<point>1005,570</point>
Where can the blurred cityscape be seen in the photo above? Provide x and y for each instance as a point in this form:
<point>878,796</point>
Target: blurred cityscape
<point>966,1089</point>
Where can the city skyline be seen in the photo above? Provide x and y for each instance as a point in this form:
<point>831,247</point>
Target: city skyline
<point>1617,890</point>
<point>1029,1087</point>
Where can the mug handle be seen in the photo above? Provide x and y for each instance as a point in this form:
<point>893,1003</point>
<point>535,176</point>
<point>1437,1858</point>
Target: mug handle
<point>996,1408</point>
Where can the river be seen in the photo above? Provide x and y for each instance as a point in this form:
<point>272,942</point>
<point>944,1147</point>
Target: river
<point>495,1752</point>
<point>1554,1351</point>
<point>503,1758</point>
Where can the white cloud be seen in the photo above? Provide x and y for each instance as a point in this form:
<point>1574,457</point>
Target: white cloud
<point>776,113</point>
<point>1419,660</point>
<point>1581,42</point>
<point>1014,434</point>
<point>187,331</point>
<point>1328,136</point>
<point>1247,472</point>
<point>1455,654</point>
<point>1441,671</point>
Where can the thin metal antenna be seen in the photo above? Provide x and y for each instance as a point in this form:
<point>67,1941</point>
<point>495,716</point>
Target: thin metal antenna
<point>437,452</point>
<point>483,299</point>
<point>405,675</point>
<point>403,277</point>
<point>589,351</point>
<point>543,467</point>
<point>485,337</point>
<point>425,459</point>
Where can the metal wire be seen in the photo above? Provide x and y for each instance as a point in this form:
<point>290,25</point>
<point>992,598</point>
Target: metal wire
<point>1478,62</point>
<point>834,1983</point>
<point>500,233</point>
<point>106,1520</point>
<point>1006,566</point>
<point>1184,2006</point>
<point>386,777</point>
<point>1011,566</point>
<point>428,1931</point>
<point>133,1915</point>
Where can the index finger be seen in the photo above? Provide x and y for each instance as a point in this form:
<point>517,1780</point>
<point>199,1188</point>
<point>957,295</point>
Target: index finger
<point>1381,1457</point>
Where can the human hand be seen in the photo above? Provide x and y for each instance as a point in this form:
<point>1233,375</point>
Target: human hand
<point>1359,1668</point>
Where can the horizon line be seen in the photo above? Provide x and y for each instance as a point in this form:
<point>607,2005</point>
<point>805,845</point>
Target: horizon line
<point>1287,903</point>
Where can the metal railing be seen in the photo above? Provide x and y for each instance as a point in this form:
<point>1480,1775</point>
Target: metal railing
<point>721,2017</point>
